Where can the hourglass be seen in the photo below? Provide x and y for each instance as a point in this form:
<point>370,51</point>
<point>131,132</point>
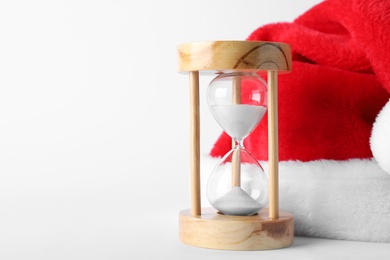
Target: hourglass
<point>238,189</point>
<point>238,184</point>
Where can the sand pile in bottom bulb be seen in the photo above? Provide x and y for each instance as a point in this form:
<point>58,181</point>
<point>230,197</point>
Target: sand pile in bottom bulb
<point>237,202</point>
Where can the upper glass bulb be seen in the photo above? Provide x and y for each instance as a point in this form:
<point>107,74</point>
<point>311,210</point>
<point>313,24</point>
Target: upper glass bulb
<point>238,102</point>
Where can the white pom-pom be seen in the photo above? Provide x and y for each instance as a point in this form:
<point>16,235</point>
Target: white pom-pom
<point>380,138</point>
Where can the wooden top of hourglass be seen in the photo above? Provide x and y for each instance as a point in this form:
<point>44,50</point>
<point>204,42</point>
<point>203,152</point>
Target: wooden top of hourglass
<point>234,56</point>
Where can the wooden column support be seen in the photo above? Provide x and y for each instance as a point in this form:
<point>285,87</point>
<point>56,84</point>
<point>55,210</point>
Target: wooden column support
<point>236,157</point>
<point>273,160</point>
<point>194,143</point>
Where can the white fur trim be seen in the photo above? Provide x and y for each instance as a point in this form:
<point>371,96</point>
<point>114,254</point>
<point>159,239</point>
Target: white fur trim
<point>380,138</point>
<point>346,200</point>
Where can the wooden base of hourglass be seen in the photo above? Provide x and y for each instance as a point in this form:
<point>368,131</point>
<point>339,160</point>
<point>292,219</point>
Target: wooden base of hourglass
<point>217,231</point>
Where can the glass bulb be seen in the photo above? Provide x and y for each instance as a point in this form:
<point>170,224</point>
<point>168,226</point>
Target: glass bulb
<point>238,101</point>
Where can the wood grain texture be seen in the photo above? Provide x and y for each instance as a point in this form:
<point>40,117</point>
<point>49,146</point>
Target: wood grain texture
<point>217,231</point>
<point>234,56</point>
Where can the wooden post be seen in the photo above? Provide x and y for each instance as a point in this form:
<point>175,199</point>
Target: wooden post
<point>194,143</point>
<point>236,157</point>
<point>236,168</point>
<point>273,159</point>
<point>236,90</point>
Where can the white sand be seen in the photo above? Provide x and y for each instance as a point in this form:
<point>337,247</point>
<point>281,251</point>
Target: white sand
<point>238,120</point>
<point>236,202</point>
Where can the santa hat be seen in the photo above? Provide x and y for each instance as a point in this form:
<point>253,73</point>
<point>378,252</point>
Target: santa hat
<point>334,120</point>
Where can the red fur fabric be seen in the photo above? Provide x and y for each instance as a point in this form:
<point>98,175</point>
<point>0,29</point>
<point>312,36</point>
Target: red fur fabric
<point>340,82</point>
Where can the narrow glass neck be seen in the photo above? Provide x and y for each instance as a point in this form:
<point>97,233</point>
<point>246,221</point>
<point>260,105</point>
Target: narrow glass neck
<point>238,143</point>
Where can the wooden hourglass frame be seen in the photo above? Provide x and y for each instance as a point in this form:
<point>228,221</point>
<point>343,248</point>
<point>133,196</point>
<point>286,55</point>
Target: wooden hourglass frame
<point>204,227</point>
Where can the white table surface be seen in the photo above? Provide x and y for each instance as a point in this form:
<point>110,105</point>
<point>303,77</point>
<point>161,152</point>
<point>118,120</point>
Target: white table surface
<point>119,234</point>
<point>303,248</point>
<point>167,245</point>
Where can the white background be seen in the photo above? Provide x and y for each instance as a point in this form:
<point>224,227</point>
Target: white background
<point>94,125</point>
